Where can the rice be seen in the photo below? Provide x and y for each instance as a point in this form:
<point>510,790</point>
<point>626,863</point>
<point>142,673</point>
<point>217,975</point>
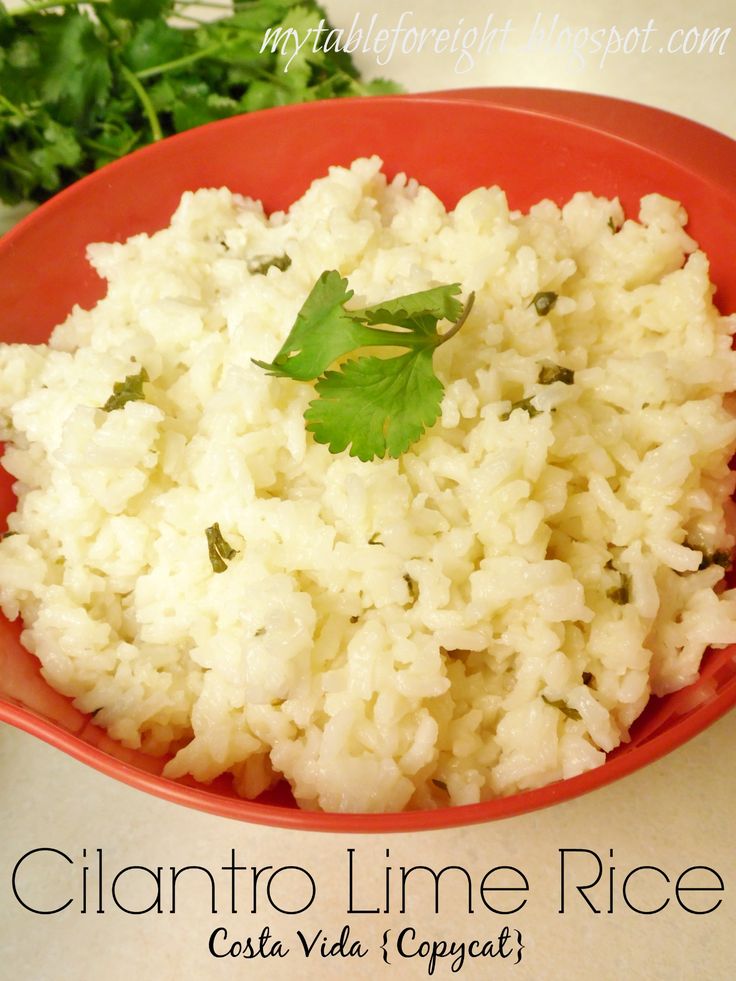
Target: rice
<point>486,614</point>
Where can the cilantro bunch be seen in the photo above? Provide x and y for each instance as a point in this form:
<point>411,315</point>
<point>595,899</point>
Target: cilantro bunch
<point>84,84</point>
<point>374,405</point>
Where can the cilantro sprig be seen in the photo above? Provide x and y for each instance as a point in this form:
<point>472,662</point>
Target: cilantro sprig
<point>82,84</point>
<point>374,405</point>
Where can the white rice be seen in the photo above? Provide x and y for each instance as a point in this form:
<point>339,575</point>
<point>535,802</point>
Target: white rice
<point>401,633</point>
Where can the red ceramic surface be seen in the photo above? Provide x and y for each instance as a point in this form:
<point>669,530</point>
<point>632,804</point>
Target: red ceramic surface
<point>535,144</point>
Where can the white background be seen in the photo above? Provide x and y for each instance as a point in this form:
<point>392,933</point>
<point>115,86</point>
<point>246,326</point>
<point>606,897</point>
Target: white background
<point>676,813</point>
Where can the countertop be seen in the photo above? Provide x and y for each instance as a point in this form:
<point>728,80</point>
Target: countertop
<point>675,814</point>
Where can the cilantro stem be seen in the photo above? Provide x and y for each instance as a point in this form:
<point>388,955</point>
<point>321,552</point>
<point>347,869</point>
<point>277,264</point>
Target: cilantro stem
<point>145,102</point>
<point>7,165</point>
<point>459,322</point>
<point>16,111</point>
<point>89,144</point>
<point>169,66</point>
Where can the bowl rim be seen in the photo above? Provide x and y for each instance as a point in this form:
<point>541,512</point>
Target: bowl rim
<point>622,120</point>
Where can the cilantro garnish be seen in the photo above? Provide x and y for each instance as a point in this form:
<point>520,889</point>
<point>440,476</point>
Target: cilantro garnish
<point>373,405</point>
<point>82,84</point>
<point>218,548</point>
<point>130,390</point>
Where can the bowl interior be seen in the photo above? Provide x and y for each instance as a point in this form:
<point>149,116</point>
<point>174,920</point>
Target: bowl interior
<point>450,144</point>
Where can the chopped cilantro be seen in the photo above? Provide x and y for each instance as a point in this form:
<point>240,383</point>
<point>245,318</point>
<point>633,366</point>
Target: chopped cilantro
<point>526,405</point>
<point>260,264</point>
<point>550,373</point>
<point>373,405</point>
<point>568,712</point>
<point>544,302</point>
<point>130,390</point>
<point>413,587</point>
<point>218,548</point>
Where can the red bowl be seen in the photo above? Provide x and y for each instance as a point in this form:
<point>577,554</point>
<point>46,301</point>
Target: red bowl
<point>532,143</point>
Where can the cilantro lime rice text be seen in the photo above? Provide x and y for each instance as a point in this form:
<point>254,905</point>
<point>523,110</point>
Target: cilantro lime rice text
<point>486,613</point>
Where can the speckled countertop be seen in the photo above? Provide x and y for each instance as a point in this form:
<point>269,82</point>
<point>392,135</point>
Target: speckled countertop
<point>675,814</point>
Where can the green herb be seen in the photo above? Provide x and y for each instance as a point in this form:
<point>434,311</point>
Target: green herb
<point>526,405</point>
<point>82,84</point>
<point>570,713</point>
<point>413,587</point>
<point>544,302</point>
<point>218,548</point>
<point>612,225</point>
<point>716,558</point>
<point>130,390</point>
<point>374,405</point>
<point>260,264</point>
<point>621,594</point>
<point>550,373</point>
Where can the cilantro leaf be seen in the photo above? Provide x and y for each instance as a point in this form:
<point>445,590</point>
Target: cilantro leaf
<point>418,311</point>
<point>296,62</point>
<point>75,75</point>
<point>60,151</point>
<point>392,400</point>
<point>152,43</point>
<point>373,405</point>
<point>141,9</point>
<point>323,332</point>
<point>196,105</point>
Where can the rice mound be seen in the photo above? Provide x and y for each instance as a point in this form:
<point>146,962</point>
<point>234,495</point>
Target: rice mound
<point>486,614</point>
